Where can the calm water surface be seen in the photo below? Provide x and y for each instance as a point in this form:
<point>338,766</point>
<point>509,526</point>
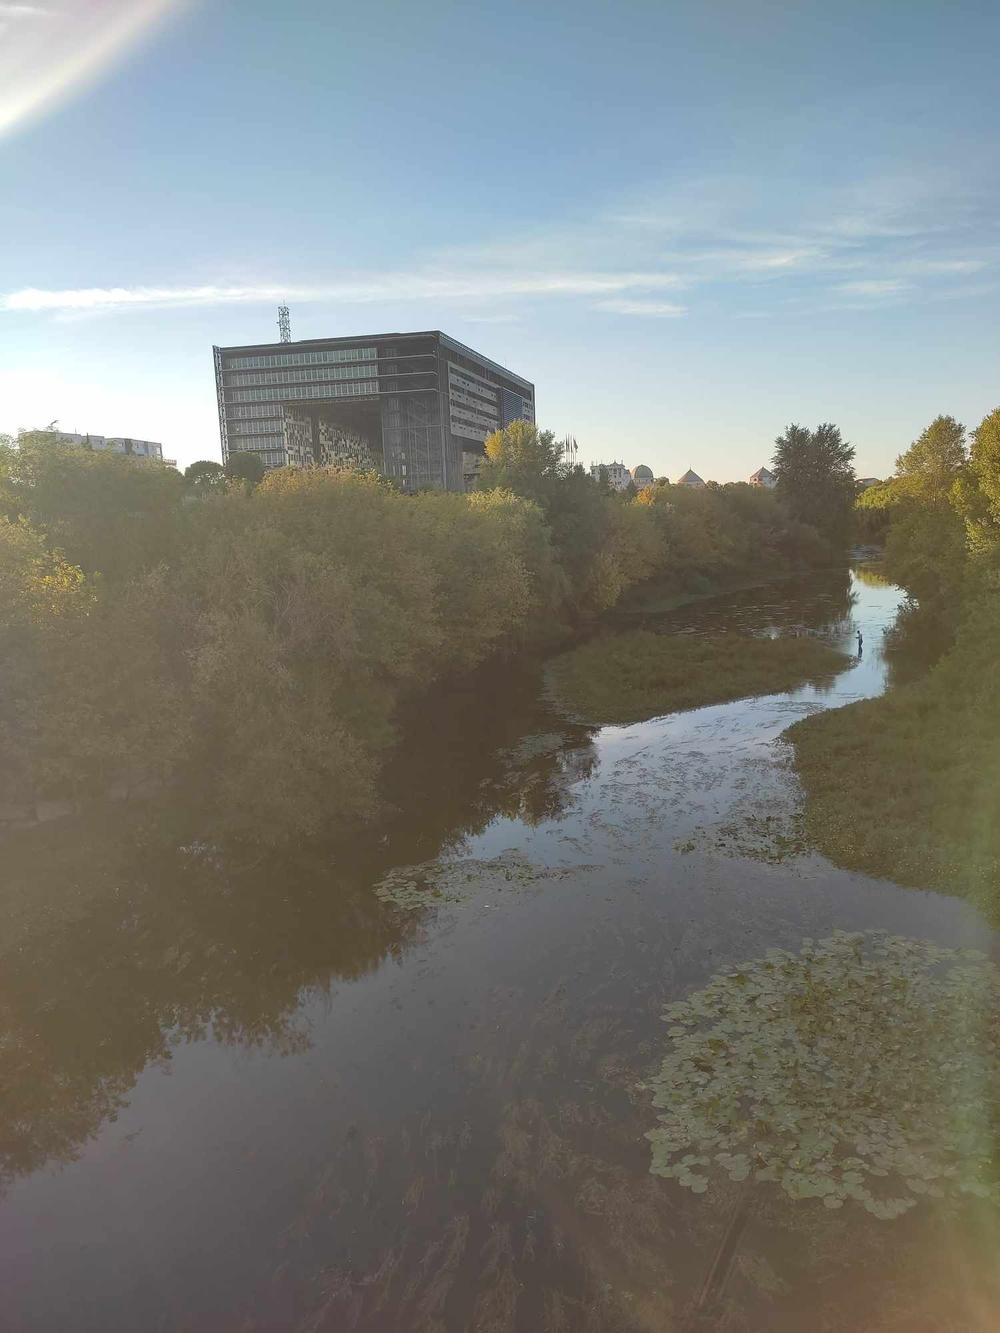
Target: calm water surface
<point>246,1094</point>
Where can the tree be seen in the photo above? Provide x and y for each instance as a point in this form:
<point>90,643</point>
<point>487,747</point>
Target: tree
<point>913,513</point>
<point>529,462</point>
<point>937,455</point>
<point>521,458</point>
<point>205,475</point>
<point>814,476</point>
<point>108,512</point>
<point>245,467</point>
<point>976,493</point>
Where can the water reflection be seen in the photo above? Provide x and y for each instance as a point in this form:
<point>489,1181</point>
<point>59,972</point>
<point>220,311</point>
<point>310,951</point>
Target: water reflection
<point>121,945</point>
<point>820,603</point>
<point>917,639</point>
<point>480,747</point>
<point>125,939</point>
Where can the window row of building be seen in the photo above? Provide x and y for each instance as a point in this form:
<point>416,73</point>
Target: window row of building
<point>477,418</point>
<point>323,357</point>
<point>467,431</point>
<point>302,375</point>
<point>458,396</point>
<point>350,389</point>
<point>270,447</point>
<point>238,410</point>
<point>467,379</point>
<point>265,427</point>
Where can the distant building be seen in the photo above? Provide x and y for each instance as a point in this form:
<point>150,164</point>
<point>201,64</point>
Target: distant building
<point>618,475</point>
<point>416,407</point>
<point>690,479</point>
<point>762,477</point>
<point>865,482</point>
<point>642,476</point>
<point>117,444</point>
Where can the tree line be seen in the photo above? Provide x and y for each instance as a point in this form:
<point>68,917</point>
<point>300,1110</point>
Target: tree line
<point>260,640</point>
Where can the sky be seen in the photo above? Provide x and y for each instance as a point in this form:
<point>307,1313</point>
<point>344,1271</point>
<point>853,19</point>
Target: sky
<point>688,224</point>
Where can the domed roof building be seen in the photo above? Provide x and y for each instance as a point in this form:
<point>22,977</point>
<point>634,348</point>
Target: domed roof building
<point>642,476</point>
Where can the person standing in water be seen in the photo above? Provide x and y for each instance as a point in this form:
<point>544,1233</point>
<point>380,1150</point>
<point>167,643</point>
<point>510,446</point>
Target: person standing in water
<point>860,643</point>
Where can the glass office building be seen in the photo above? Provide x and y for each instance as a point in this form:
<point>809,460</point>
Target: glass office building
<point>414,406</point>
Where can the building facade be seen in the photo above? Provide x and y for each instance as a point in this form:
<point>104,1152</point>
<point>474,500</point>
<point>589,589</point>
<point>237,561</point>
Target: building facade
<point>117,444</point>
<point>416,407</point>
<point>618,475</point>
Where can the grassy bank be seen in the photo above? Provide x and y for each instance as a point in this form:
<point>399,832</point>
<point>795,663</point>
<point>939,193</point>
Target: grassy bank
<point>629,677</point>
<point>907,787</point>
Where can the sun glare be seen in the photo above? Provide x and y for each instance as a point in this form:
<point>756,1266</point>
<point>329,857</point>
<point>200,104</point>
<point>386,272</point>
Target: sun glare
<point>48,52</point>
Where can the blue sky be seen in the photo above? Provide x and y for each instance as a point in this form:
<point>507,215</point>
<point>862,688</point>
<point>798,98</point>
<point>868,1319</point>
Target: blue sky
<point>688,223</point>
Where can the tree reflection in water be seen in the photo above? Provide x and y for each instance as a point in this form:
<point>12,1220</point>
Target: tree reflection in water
<point>129,933</point>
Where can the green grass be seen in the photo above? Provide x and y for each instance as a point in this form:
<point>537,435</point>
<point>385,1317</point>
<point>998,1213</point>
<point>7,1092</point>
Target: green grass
<point>907,787</point>
<point>629,677</point>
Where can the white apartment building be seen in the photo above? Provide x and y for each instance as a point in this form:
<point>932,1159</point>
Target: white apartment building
<point>118,444</point>
<point>618,474</point>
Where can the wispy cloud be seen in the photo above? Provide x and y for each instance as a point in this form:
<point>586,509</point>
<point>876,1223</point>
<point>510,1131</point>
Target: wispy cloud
<point>645,309</point>
<point>943,267</point>
<point>492,319</point>
<point>719,231</point>
<point>876,287</point>
<point>870,243</point>
<point>363,290</point>
<point>24,11</point>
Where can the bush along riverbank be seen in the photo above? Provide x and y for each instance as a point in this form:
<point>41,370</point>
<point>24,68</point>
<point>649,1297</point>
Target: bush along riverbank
<point>631,677</point>
<point>260,643</point>
<point>908,786</point>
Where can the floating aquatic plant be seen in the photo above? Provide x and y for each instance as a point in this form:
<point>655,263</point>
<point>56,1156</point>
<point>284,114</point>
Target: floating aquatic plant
<point>866,1068</point>
<point>437,882</point>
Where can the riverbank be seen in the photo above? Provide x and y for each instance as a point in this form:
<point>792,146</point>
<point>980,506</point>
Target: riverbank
<point>907,786</point>
<point>629,677</point>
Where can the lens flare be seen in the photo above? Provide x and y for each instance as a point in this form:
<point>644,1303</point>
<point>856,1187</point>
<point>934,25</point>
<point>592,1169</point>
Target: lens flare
<point>50,49</point>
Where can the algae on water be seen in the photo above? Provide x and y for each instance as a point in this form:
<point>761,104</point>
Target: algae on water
<point>432,883</point>
<point>863,1068</point>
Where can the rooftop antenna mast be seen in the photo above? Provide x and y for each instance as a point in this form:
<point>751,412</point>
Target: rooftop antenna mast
<point>284,324</point>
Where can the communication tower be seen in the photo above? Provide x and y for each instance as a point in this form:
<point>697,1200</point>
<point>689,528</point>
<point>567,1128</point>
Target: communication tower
<point>284,324</point>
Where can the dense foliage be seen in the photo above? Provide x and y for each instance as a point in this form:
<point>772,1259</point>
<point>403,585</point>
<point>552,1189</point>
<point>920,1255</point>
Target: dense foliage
<point>264,638</point>
<point>859,1069</point>
<point>908,786</point>
<point>629,677</point>
<point>814,476</point>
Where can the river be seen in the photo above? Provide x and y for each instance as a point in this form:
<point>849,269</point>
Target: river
<point>245,1093</point>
